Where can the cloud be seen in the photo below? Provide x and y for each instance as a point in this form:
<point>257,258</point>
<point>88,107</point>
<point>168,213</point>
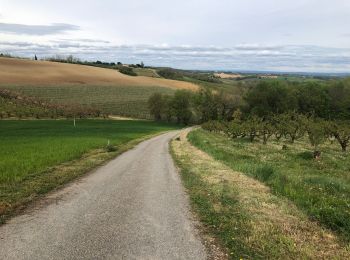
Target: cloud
<point>243,57</point>
<point>55,28</point>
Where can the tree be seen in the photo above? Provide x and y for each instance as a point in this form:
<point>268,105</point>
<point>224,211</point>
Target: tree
<point>250,127</point>
<point>341,132</point>
<point>206,105</point>
<point>266,130</point>
<point>292,125</point>
<point>313,99</point>
<point>339,99</point>
<point>156,105</point>
<point>181,105</point>
<point>270,97</point>
<point>316,133</point>
<point>234,129</point>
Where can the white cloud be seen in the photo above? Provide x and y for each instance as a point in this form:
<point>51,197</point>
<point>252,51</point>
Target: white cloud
<point>228,34</point>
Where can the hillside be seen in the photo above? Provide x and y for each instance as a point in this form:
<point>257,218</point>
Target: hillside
<point>15,105</point>
<point>21,71</point>
<point>107,90</point>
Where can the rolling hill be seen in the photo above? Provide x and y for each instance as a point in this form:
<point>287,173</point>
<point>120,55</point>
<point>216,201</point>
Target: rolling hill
<point>105,89</point>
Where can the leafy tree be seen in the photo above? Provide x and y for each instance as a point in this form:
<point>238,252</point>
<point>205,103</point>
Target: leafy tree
<point>292,125</point>
<point>234,129</point>
<point>313,99</point>
<point>156,105</point>
<point>270,97</point>
<point>181,106</point>
<point>266,130</point>
<point>341,132</point>
<point>251,127</point>
<point>317,135</point>
<point>206,105</point>
<point>339,99</point>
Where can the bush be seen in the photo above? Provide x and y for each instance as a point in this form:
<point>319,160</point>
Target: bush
<point>127,70</point>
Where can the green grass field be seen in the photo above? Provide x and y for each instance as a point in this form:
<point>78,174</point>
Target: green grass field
<point>31,150</point>
<point>320,188</point>
<point>115,100</point>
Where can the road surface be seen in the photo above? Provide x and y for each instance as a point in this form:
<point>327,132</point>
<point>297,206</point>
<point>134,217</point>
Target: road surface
<point>134,207</point>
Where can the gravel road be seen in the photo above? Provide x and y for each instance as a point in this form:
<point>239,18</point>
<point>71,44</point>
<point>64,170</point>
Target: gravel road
<point>134,207</point>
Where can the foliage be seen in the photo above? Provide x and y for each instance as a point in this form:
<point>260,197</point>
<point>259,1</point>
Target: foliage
<point>127,70</point>
<point>328,100</point>
<point>270,97</point>
<point>340,130</point>
<point>156,104</point>
<point>177,107</point>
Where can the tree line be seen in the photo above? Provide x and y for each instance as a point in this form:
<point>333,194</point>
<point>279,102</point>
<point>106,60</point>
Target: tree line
<point>328,100</point>
<point>272,108</point>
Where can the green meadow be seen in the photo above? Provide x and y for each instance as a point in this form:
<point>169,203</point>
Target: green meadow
<point>32,152</point>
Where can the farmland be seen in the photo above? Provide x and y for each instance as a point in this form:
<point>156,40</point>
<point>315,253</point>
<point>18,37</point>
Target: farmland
<point>33,150</point>
<point>105,89</point>
<point>115,100</point>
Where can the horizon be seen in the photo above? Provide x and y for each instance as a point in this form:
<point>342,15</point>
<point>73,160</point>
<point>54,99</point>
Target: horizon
<point>293,36</point>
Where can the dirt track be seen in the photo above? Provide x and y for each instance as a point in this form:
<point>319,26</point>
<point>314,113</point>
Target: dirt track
<point>20,71</point>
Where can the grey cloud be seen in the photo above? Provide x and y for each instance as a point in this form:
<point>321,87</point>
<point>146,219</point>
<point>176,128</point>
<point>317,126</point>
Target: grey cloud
<point>307,58</point>
<point>55,28</point>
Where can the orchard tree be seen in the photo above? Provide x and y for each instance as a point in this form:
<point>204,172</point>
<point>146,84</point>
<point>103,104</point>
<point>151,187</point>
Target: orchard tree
<point>234,129</point>
<point>250,127</point>
<point>341,132</point>
<point>317,135</point>
<point>266,130</point>
<point>292,125</point>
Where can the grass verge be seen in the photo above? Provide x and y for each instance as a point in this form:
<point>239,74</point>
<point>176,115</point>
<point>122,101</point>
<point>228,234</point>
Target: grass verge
<point>320,188</point>
<point>242,213</point>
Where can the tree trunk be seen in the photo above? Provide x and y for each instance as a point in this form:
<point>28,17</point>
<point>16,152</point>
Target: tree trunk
<point>343,147</point>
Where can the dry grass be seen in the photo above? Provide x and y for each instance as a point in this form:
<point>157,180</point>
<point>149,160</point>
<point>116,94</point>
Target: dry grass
<point>276,228</point>
<point>28,72</point>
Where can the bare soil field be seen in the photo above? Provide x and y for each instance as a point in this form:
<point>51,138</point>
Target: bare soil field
<point>29,72</point>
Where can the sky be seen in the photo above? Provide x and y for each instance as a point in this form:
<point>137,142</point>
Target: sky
<point>237,35</point>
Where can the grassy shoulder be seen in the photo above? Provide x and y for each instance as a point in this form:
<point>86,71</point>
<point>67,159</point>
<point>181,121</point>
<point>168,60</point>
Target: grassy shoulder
<point>245,216</point>
<point>320,188</point>
<point>37,156</point>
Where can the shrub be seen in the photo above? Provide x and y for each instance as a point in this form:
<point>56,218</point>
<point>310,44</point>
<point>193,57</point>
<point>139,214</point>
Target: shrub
<point>127,70</point>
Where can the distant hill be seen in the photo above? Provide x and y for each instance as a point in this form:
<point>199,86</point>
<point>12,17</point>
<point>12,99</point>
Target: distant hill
<point>29,72</point>
<point>104,89</point>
